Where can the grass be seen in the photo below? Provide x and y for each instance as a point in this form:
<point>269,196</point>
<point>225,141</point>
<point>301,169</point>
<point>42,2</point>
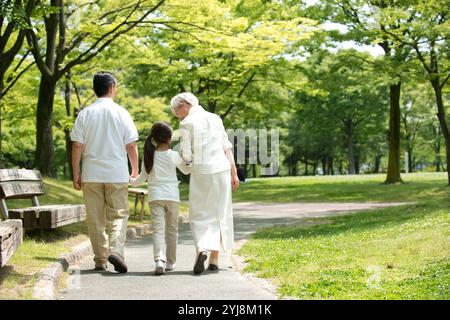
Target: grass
<point>391,253</point>
<point>40,248</point>
<point>358,188</point>
<point>402,252</point>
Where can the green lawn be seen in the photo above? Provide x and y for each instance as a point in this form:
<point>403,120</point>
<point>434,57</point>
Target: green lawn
<point>393,253</point>
<point>406,248</point>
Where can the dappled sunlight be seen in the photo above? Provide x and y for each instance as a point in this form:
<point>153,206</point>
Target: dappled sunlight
<point>363,188</point>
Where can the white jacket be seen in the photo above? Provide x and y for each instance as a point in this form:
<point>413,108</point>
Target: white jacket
<point>204,142</point>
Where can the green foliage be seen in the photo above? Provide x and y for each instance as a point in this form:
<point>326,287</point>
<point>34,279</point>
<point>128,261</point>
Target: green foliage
<point>18,119</point>
<point>258,64</point>
<point>341,111</point>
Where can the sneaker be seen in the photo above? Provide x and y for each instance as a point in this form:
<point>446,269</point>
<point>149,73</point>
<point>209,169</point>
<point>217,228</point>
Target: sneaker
<point>160,267</point>
<point>170,266</point>
<point>118,263</point>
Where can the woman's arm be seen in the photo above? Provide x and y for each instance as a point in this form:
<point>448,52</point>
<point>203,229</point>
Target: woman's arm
<point>228,149</point>
<point>185,144</point>
<point>234,176</point>
<point>180,164</point>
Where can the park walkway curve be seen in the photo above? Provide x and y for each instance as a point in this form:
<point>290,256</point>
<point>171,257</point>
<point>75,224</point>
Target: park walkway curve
<point>229,284</point>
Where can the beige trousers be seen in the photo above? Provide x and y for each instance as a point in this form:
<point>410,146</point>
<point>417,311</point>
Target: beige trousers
<point>107,217</point>
<point>165,230</point>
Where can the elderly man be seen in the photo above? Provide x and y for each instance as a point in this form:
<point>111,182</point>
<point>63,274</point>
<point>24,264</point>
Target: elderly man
<point>205,145</point>
<point>104,134</point>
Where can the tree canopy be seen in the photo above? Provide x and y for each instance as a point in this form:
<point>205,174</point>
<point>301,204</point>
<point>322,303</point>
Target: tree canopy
<point>258,64</point>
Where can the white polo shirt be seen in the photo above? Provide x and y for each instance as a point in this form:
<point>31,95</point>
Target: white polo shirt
<point>104,128</point>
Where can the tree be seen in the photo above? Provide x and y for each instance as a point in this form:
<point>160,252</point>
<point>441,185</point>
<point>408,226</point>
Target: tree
<point>220,56</point>
<point>12,13</point>
<point>428,35</point>
<point>361,18</point>
<point>415,117</point>
<point>67,45</point>
<point>344,109</point>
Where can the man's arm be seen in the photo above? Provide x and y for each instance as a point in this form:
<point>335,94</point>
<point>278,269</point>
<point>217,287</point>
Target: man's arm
<point>132,151</point>
<point>77,148</point>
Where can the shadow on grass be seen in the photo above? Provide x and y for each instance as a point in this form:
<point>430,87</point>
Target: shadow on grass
<point>361,191</point>
<point>10,273</point>
<point>354,222</point>
<point>58,234</point>
<point>49,259</point>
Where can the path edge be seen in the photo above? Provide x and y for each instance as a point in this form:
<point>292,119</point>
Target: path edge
<point>46,287</point>
<point>239,265</point>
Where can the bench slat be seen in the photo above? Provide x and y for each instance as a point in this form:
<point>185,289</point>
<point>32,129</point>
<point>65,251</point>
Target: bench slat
<point>19,175</point>
<point>60,223</point>
<point>48,217</point>
<point>20,189</point>
<point>11,234</point>
<point>133,191</point>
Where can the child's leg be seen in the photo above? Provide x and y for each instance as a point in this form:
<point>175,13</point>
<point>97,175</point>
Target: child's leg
<point>171,230</point>
<point>158,226</point>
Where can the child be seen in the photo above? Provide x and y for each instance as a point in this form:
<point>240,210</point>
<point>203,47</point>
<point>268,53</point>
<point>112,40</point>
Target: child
<point>159,169</point>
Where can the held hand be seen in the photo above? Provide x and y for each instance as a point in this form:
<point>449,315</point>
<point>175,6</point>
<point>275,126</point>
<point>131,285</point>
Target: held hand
<point>234,182</point>
<point>77,182</point>
<point>134,175</point>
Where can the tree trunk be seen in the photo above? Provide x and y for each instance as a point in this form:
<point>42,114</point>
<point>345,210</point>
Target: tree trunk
<point>437,151</point>
<point>341,168</point>
<point>254,170</point>
<point>410,161</point>
<point>306,164</point>
<point>67,93</point>
<point>68,151</point>
<point>45,150</point>
<point>393,171</point>
<point>443,122</point>
<point>350,153</point>
<point>324,166</point>
<point>377,164</point>
<point>330,166</point>
<point>357,163</point>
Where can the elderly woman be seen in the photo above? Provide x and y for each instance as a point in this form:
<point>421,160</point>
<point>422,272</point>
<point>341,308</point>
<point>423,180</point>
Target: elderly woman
<point>205,146</point>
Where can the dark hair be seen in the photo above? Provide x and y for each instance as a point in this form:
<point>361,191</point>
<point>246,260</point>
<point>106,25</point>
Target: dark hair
<point>102,81</point>
<point>161,133</point>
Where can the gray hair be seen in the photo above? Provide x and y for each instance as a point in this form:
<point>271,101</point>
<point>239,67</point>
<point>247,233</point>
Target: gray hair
<point>183,98</point>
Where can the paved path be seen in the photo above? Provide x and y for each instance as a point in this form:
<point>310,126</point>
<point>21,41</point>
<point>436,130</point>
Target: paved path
<point>181,284</point>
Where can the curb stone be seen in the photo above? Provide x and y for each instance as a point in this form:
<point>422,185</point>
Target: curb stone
<point>47,283</point>
<point>46,287</point>
<point>239,265</point>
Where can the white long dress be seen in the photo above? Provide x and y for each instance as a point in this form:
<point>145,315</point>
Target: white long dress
<point>204,142</point>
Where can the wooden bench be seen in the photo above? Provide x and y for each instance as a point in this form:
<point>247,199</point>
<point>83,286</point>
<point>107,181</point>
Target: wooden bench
<point>139,195</point>
<point>28,184</point>
<point>11,234</point>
